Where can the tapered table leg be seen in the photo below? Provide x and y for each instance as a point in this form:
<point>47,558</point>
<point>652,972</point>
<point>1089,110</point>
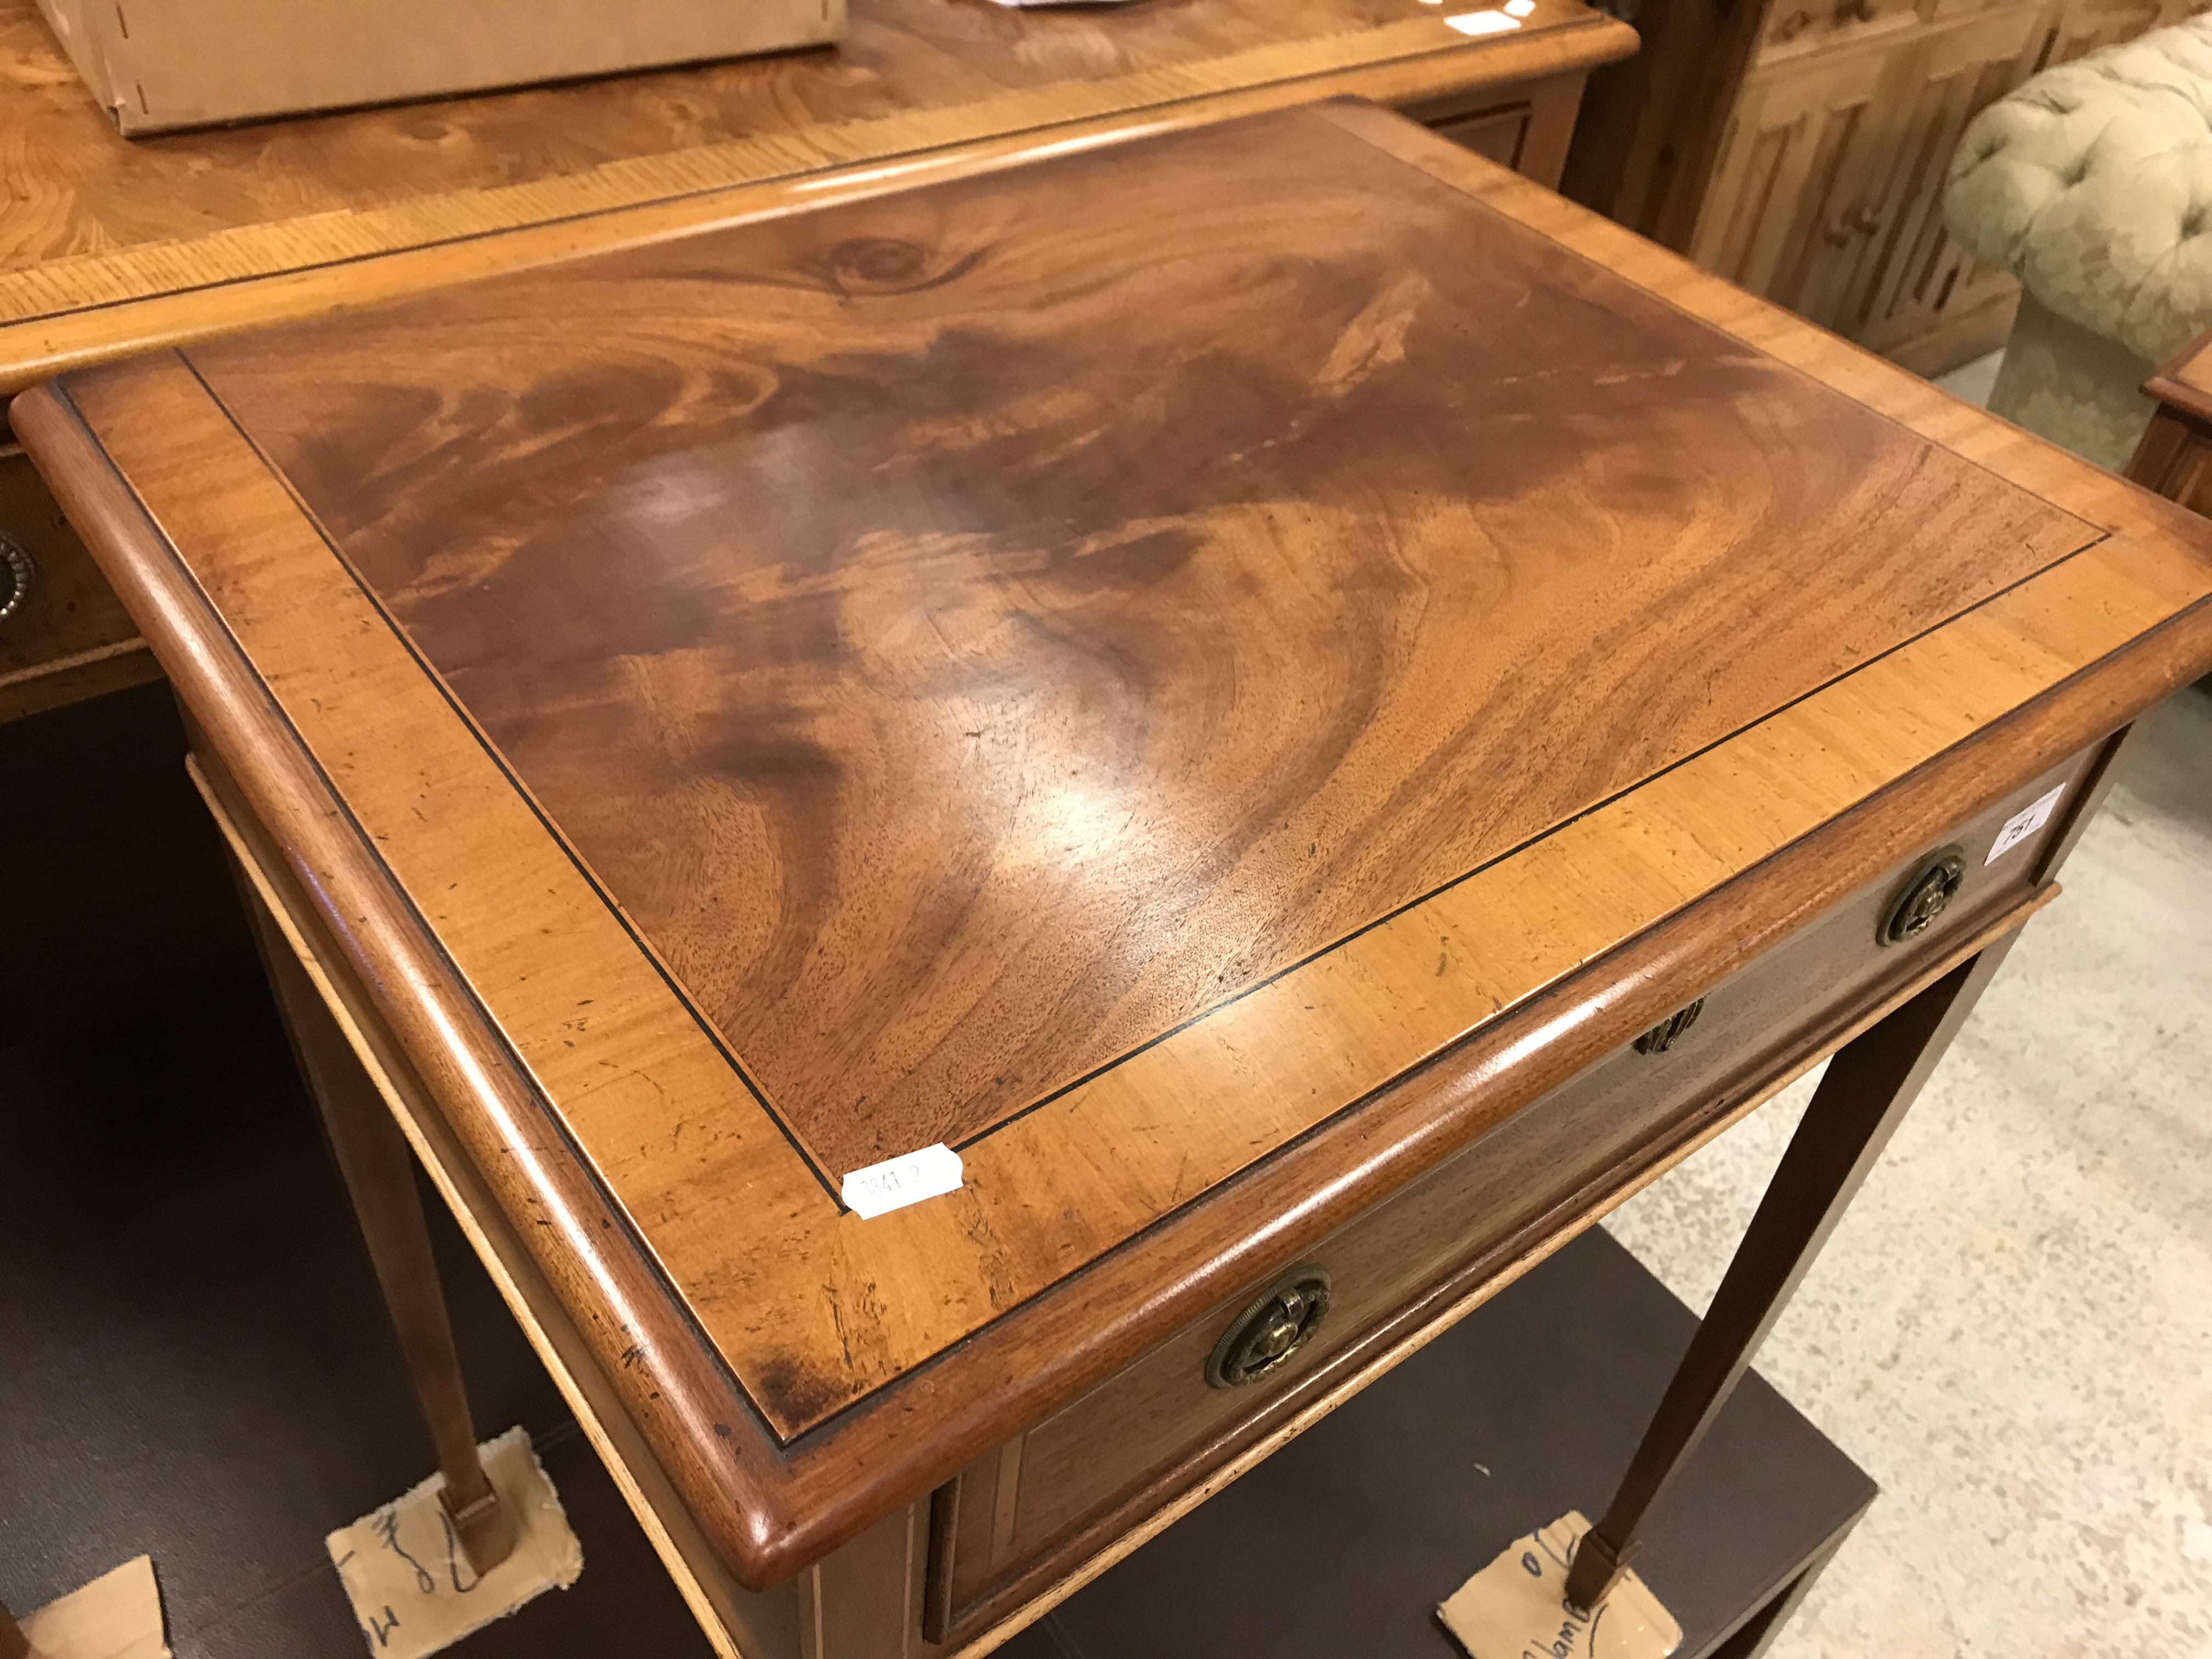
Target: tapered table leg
<point>14,1645</point>
<point>379,1167</point>
<point>1868,1085</point>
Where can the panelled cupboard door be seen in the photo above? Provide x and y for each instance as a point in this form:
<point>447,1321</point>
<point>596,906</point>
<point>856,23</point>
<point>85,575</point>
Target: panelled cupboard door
<point>1791,210</point>
<point>1918,279</point>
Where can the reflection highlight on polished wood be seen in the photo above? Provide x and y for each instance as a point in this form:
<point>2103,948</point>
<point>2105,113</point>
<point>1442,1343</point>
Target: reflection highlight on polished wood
<point>972,634</point>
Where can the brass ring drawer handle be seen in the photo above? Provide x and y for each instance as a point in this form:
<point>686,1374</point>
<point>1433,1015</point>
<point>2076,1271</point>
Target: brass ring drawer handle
<point>1261,1341</point>
<point>18,576</point>
<point>1925,897</point>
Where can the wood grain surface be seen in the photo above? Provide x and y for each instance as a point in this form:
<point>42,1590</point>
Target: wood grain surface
<point>109,245</point>
<point>973,633</point>
<point>800,1373</point>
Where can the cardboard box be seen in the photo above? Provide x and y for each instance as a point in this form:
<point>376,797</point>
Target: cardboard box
<point>160,64</point>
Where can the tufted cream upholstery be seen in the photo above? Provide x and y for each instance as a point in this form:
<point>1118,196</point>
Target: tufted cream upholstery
<point>2092,184</point>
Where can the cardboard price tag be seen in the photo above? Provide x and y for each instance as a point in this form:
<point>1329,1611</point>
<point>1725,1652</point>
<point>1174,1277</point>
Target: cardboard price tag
<point>1517,1608</point>
<point>412,1588</point>
<point>116,1616</point>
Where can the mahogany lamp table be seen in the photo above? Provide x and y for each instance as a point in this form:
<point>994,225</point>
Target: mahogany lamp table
<point>1314,714</point>
<point>110,247</point>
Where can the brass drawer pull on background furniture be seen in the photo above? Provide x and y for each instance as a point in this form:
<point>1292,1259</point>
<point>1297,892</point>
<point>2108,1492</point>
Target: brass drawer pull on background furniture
<point>1661,1037</point>
<point>17,576</point>
<point>1925,896</point>
<point>1266,1334</point>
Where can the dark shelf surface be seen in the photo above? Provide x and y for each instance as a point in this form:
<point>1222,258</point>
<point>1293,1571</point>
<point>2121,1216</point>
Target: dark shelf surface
<point>197,1367</point>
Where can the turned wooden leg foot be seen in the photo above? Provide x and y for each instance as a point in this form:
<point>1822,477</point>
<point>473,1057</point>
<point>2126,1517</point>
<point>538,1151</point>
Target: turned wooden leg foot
<point>379,1167</point>
<point>14,1645</point>
<point>1861,1100</point>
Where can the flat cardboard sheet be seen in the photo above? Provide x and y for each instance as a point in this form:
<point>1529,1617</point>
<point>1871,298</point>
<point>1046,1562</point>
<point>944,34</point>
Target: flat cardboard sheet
<point>1516,1607</point>
<point>412,1590</point>
<point>117,1616</point>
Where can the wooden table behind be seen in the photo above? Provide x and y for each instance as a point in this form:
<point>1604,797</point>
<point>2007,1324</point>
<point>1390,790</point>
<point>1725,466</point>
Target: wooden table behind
<point>166,229</point>
<point>2175,456</point>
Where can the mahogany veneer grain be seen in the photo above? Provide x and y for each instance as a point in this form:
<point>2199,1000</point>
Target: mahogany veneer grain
<point>799,586</point>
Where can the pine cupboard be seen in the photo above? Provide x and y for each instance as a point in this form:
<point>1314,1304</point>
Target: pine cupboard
<point>1799,147</point>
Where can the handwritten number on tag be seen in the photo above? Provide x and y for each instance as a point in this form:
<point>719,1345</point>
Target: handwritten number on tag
<point>388,1529</point>
<point>898,1181</point>
<point>453,1557</point>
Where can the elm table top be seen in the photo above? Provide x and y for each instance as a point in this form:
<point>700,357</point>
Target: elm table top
<point>1115,663</point>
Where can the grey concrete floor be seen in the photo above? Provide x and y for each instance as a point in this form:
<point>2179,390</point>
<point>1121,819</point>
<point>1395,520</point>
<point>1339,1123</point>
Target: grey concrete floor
<point>2011,1327</point>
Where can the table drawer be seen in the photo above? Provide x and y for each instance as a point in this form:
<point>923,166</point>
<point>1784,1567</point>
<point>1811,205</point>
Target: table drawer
<point>62,617</point>
<point>1039,1506</point>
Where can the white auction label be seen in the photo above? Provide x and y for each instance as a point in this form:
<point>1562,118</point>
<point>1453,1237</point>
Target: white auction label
<point>2024,823</point>
<point>898,1181</point>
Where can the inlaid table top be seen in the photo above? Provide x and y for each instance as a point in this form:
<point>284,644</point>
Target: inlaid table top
<point>110,245</point>
<point>1199,672</point>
